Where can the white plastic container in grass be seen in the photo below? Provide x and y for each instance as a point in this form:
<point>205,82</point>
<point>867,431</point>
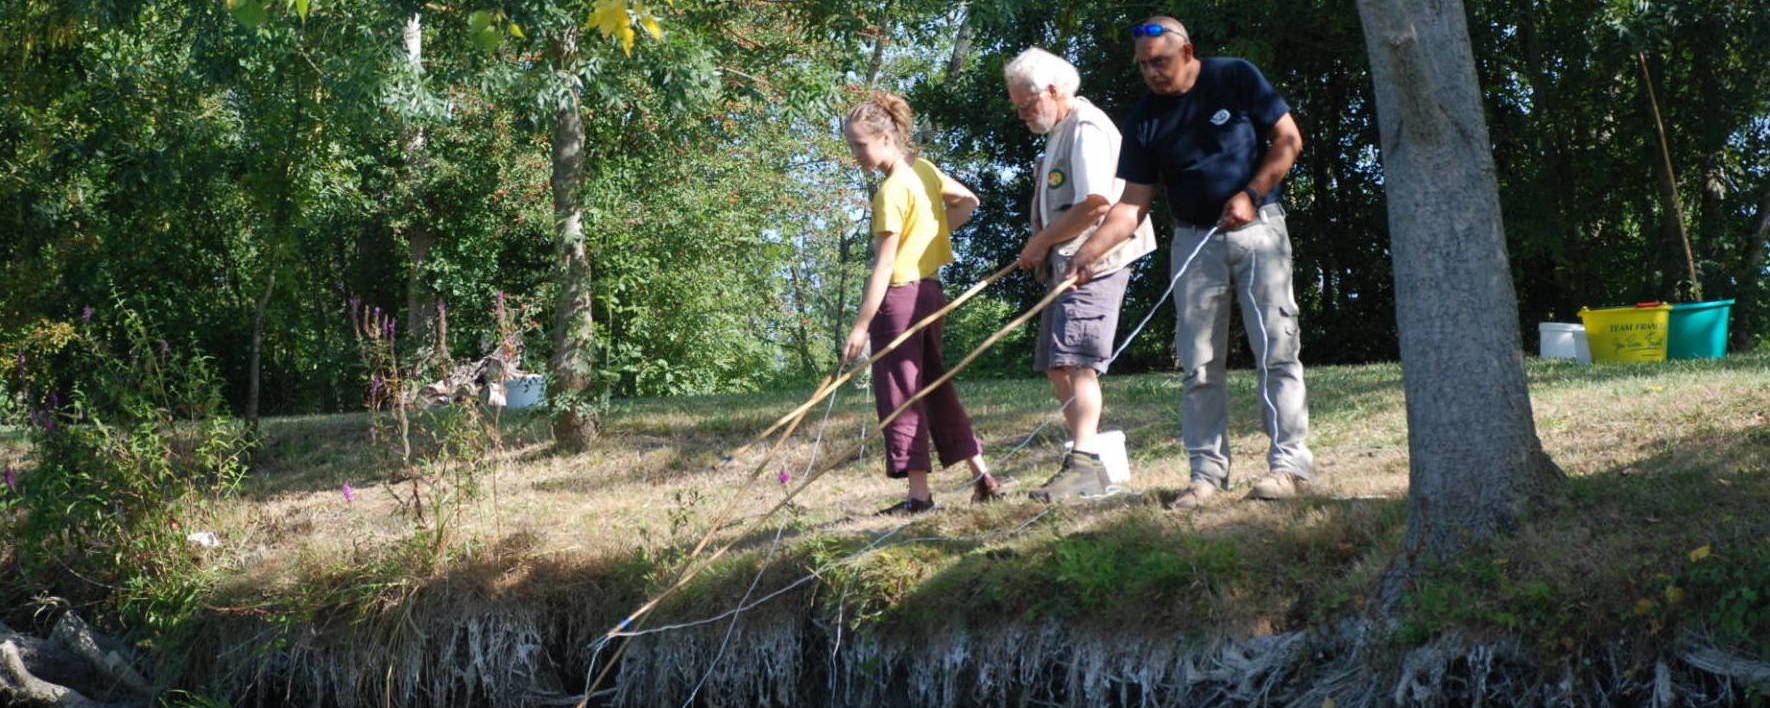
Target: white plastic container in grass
<point>524,391</point>
<point>1110,445</point>
<point>1562,340</point>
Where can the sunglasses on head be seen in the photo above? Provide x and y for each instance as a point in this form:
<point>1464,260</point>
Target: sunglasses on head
<point>1149,30</point>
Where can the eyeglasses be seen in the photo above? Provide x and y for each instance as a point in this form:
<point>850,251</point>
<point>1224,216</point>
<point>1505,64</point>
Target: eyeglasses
<point>1027,105</point>
<point>1149,30</point>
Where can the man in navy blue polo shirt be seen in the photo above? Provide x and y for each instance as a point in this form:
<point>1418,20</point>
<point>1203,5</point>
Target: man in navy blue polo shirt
<point>1218,139</point>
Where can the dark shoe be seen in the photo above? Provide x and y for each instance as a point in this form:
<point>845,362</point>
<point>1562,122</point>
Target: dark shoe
<point>908,507</point>
<point>986,489</point>
<point>1083,474</point>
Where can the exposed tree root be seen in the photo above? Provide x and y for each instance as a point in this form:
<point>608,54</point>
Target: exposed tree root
<point>64,670</point>
<point>518,657</point>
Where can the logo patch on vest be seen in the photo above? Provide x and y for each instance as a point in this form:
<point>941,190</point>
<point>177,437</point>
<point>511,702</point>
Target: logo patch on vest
<point>1220,117</point>
<point>1056,179</point>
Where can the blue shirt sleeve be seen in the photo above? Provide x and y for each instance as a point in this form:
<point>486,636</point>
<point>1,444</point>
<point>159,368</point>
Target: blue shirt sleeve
<point>1135,164</point>
<point>1264,105</point>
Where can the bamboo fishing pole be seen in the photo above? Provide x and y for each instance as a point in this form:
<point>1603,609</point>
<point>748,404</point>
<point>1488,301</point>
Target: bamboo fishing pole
<point>826,389</point>
<point>835,461</point>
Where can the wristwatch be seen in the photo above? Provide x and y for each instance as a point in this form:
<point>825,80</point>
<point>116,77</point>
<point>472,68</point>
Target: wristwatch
<point>1253,195</point>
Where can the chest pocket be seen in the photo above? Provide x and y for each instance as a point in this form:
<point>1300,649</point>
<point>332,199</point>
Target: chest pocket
<point>1223,130</point>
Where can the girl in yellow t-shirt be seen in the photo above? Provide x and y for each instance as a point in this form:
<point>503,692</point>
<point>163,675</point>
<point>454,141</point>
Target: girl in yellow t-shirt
<point>914,212</point>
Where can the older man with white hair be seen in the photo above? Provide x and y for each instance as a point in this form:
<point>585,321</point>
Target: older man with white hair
<point>1074,187</point>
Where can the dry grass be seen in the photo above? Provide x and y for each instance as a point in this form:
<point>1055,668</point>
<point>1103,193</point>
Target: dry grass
<point>1663,458</point>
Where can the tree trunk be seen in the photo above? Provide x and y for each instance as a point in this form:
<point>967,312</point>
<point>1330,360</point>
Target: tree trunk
<point>961,46</point>
<point>420,301</point>
<point>1476,464</point>
<point>257,351</point>
<point>884,38</point>
<point>803,309</point>
<point>574,422</point>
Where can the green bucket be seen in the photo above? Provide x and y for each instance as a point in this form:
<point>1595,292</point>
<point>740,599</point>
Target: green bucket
<point>1698,330</point>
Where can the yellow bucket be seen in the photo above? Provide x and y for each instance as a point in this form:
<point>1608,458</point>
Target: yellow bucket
<point>1628,333</point>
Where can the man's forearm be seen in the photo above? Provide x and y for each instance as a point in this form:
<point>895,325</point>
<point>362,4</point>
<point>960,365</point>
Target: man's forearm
<point>1273,169</point>
<point>1072,223</point>
<point>1120,224</point>
<point>1287,144</point>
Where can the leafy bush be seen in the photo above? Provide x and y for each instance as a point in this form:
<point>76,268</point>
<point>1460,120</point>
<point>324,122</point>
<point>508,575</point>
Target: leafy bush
<point>129,446</point>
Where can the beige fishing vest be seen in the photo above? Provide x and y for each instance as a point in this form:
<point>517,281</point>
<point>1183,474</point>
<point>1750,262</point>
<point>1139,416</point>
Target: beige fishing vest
<point>1054,192</point>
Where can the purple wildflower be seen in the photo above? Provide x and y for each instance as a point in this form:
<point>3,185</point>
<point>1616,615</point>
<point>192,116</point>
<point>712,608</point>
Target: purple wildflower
<point>11,481</point>
<point>376,384</point>
<point>349,494</point>
<point>86,314</point>
<point>54,401</point>
<point>21,360</point>
<point>784,477</point>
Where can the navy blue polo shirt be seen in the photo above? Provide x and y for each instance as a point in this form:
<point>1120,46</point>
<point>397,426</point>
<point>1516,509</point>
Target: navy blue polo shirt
<point>1203,145</point>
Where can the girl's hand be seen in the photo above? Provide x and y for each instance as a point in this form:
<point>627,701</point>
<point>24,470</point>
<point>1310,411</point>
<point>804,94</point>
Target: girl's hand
<point>857,343</point>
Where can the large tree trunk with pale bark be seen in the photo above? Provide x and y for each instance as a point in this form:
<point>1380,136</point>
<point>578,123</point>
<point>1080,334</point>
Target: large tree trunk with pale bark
<point>1476,463</point>
<point>574,422</point>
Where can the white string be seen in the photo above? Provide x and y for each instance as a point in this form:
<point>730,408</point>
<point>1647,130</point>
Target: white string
<point>730,629</point>
<point>1265,350</point>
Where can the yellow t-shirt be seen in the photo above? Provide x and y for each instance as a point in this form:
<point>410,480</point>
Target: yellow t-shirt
<point>908,204</point>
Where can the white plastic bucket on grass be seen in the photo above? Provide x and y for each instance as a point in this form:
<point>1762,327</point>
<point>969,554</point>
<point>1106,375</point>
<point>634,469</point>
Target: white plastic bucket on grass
<point>1110,445</point>
<point>1561,340</point>
<point>524,391</point>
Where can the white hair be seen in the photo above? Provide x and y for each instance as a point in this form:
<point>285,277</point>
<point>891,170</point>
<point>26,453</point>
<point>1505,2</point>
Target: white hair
<point>1036,68</point>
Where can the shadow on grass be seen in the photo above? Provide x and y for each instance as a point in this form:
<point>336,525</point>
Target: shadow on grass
<point>306,454</point>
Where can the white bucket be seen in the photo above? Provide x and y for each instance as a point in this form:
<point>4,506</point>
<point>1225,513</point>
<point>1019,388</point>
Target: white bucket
<point>1110,445</point>
<point>1564,341</point>
<point>524,391</point>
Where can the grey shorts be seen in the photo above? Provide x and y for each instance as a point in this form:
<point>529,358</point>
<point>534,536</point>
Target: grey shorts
<point>1078,329</point>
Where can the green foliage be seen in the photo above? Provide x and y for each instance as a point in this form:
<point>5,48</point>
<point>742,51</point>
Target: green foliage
<point>184,155</point>
<point>1726,591</point>
<point>129,456</point>
<point>968,326</point>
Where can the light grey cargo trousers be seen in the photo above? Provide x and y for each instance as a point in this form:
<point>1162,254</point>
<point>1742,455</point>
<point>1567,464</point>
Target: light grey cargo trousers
<point>1254,264</point>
